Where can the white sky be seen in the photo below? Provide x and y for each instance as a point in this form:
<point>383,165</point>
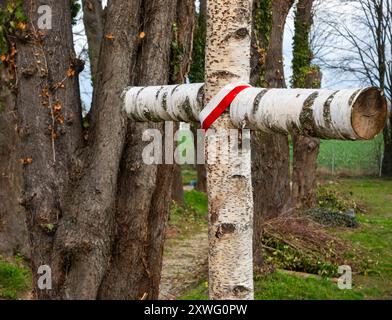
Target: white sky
<point>329,78</point>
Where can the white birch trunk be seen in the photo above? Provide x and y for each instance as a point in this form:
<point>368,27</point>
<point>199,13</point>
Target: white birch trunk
<point>354,114</point>
<point>229,185</point>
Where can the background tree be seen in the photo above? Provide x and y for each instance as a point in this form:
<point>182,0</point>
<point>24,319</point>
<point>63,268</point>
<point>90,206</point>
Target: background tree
<point>361,50</point>
<point>197,75</point>
<point>270,152</point>
<point>305,75</point>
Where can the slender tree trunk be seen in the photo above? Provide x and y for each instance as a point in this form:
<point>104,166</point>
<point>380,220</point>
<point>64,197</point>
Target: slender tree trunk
<point>303,191</point>
<point>230,187</point>
<point>93,25</point>
<point>180,66</point>
<point>270,152</point>
<point>197,75</point>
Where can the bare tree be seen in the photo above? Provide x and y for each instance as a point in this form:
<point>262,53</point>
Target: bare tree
<point>361,42</point>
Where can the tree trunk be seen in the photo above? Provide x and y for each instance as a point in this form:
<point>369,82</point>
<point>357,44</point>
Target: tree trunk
<point>141,220</point>
<point>387,160</point>
<point>13,230</point>
<point>270,156</point>
<point>177,186</point>
<point>197,75</point>
<point>181,60</point>
<point>303,190</point>
<point>93,25</point>
<point>230,187</point>
<point>49,127</point>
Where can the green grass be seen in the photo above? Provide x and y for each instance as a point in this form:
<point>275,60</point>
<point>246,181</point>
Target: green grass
<point>353,157</point>
<point>373,238</point>
<point>14,279</point>
<point>281,286</point>
<point>192,217</point>
<point>375,233</point>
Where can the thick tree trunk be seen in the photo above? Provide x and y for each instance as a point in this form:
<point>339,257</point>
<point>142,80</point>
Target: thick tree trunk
<point>141,219</point>
<point>270,156</point>
<point>230,187</point>
<point>13,230</point>
<point>93,25</point>
<point>303,189</point>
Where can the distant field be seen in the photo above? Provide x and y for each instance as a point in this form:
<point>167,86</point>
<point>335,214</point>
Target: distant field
<point>351,157</point>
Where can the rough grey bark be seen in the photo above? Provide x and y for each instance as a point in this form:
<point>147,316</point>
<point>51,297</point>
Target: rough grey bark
<point>270,156</point>
<point>93,25</point>
<point>230,187</point>
<point>13,231</point>
<point>90,202</point>
<point>49,128</point>
<point>141,219</point>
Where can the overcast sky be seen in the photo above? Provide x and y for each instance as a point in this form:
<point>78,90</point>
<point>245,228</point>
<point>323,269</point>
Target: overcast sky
<point>330,79</point>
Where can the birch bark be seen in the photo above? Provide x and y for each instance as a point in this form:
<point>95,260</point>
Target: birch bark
<point>230,187</point>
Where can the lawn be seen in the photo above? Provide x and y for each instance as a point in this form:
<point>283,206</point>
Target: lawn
<point>373,237</point>
<point>14,278</point>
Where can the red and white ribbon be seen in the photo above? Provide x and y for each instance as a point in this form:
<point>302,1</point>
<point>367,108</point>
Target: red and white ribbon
<point>220,103</point>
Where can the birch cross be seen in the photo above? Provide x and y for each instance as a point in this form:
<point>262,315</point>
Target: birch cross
<point>328,114</point>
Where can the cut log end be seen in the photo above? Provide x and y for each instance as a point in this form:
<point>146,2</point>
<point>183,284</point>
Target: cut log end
<point>369,113</point>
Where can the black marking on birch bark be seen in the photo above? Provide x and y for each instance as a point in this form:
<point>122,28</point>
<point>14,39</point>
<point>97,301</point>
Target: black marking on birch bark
<point>240,291</point>
<point>241,33</point>
<point>141,89</point>
<point>327,115</point>
<point>164,101</point>
<point>256,103</point>
<point>150,116</point>
<point>354,95</point>
<point>223,229</point>
<point>223,74</point>
<point>158,92</point>
<point>306,118</point>
<point>175,88</point>
<point>188,109</point>
<point>200,97</point>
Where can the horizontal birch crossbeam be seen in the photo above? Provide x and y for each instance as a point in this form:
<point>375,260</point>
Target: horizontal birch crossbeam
<point>352,114</point>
